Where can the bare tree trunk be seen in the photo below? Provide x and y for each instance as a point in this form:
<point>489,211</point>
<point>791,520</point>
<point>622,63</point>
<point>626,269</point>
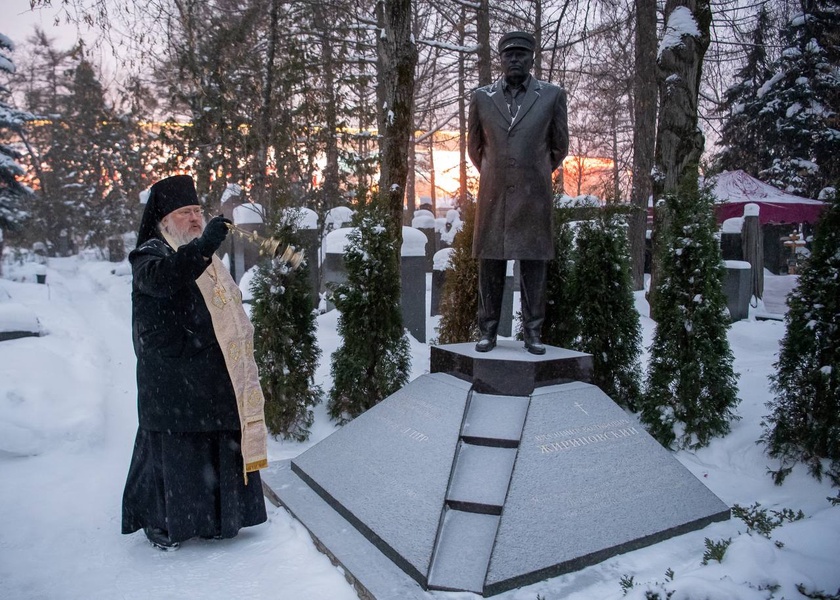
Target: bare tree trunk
<point>260,186</point>
<point>485,55</point>
<point>462,103</point>
<point>331,189</point>
<point>432,178</point>
<point>410,183</point>
<point>679,142</point>
<point>397,58</point>
<point>644,133</point>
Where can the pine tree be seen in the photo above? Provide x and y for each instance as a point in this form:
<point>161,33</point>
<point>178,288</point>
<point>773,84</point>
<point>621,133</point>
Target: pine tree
<point>804,424</point>
<point>561,315</point>
<point>459,297</point>
<point>609,323</point>
<point>691,386</point>
<point>82,195</point>
<point>373,360</point>
<point>741,141</point>
<point>13,193</point>
<point>286,346</point>
<point>799,103</point>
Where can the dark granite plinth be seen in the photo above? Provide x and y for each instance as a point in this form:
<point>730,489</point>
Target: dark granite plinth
<point>387,471</point>
<point>589,483</point>
<point>509,369</point>
<point>446,488</point>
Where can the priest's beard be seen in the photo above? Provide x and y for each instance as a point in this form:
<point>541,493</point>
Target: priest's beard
<point>177,236</point>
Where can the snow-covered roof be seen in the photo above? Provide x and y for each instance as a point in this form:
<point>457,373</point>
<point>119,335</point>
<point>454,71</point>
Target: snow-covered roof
<point>734,189</point>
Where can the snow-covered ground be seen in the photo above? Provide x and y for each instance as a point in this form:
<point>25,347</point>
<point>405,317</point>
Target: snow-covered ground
<point>67,423</point>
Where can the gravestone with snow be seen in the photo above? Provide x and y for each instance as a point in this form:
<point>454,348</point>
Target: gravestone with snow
<point>494,471</point>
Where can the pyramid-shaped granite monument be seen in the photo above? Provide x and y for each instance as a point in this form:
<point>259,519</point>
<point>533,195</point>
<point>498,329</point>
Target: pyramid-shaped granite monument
<point>494,471</point>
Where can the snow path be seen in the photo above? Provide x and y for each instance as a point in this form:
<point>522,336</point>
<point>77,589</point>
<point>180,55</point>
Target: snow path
<point>67,504</point>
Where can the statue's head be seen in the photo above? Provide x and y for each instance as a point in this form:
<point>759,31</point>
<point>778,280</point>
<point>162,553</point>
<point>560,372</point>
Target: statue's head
<point>516,52</point>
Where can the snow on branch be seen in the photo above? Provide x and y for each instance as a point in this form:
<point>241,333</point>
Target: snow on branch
<point>446,46</point>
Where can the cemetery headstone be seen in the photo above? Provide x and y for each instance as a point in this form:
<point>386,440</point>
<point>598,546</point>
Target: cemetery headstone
<point>413,288</point>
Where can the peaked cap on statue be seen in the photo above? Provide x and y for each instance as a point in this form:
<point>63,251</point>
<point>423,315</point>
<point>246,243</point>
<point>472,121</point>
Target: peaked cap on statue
<point>517,39</point>
<point>165,196</point>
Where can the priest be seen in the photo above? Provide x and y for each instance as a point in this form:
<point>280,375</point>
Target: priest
<point>201,438</point>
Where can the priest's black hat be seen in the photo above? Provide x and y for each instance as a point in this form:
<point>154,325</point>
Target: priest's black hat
<point>517,39</point>
<point>165,196</point>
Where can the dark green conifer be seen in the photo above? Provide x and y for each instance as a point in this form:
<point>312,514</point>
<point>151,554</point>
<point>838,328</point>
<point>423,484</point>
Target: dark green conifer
<point>459,297</point>
<point>285,344</point>
<point>804,425</point>
<point>561,317</point>
<point>13,193</point>
<point>691,387</point>
<point>603,297</point>
<point>373,359</point>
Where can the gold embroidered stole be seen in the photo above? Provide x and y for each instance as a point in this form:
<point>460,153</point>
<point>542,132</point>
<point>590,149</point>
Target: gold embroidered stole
<point>236,338</point>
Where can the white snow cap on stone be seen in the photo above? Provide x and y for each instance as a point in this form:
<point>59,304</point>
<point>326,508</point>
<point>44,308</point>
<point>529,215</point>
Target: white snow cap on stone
<point>737,264</point>
<point>751,209</point>
<point>440,261</point>
<point>18,317</point>
<point>248,213</point>
<point>414,242</point>
<point>305,218</point>
<point>423,221</point>
<point>338,215</point>
<point>232,190</point>
<point>336,241</point>
<point>733,225</point>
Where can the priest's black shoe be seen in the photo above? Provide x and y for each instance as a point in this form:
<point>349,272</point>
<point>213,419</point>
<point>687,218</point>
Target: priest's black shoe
<point>160,539</point>
<point>534,345</point>
<point>486,343</point>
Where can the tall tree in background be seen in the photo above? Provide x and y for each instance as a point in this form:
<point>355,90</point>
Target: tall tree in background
<point>373,359</point>
<point>644,132</point>
<point>396,60</point>
<point>13,194</point>
<point>691,387</point>
<point>740,138</point>
<point>210,74</point>
<point>679,141</point>
<point>798,104</point>
<point>804,423</point>
<point>82,166</point>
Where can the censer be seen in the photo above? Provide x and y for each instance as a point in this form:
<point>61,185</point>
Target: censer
<point>270,246</point>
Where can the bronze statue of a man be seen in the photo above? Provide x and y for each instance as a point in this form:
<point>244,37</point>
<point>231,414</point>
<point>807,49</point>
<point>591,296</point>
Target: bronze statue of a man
<point>518,136</point>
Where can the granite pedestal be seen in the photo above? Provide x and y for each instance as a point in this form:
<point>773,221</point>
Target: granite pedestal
<point>492,472</point>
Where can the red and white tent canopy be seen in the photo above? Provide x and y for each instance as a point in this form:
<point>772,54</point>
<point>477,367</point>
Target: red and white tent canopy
<point>734,189</point>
